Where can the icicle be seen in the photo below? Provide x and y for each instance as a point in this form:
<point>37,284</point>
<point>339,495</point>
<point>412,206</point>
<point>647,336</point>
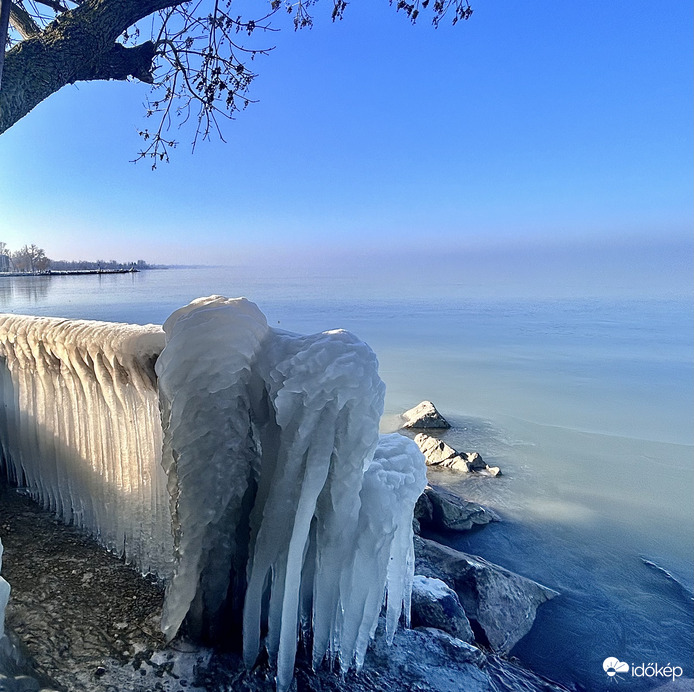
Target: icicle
<point>383,561</point>
<point>324,399</point>
<point>80,428</point>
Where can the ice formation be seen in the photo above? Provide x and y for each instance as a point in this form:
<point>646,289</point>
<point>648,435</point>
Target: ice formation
<point>204,383</point>
<point>80,429</point>
<point>263,495</point>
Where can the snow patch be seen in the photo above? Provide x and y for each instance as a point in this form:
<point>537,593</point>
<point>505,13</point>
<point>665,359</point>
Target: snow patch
<point>435,589</point>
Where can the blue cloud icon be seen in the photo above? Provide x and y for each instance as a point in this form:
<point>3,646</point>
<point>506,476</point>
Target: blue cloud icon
<point>613,665</point>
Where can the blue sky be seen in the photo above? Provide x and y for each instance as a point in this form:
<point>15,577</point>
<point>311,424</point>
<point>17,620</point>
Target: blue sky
<point>532,126</point>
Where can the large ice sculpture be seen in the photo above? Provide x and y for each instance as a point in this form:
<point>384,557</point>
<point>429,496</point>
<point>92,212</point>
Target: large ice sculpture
<point>287,515</point>
<point>209,451</point>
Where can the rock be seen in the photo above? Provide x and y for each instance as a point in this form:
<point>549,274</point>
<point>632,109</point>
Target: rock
<point>500,604</point>
<point>424,415</point>
<point>24,683</point>
<point>436,605</point>
<point>474,461</point>
<point>456,463</point>
<point>429,660</point>
<point>491,471</point>
<point>438,453</point>
<point>448,512</point>
<point>423,513</point>
<point>426,659</point>
<point>434,451</point>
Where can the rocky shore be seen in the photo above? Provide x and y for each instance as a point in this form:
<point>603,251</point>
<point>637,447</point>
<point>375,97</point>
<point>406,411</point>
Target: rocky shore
<point>80,620</point>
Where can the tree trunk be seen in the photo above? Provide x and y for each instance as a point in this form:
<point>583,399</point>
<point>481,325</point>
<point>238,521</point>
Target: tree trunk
<point>5,7</point>
<point>79,45</point>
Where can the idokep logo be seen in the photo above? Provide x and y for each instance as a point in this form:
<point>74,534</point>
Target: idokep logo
<point>613,666</point>
<point>616,669</point>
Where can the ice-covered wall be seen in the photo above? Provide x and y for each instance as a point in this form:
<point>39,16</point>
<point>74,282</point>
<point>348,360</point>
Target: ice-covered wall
<point>286,513</point>
<point>80,428</point>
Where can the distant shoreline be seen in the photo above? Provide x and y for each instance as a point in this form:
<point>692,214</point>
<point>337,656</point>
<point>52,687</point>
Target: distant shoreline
<point>70,272</point>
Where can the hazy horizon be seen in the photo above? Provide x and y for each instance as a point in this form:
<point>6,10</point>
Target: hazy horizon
<point>526,126</point>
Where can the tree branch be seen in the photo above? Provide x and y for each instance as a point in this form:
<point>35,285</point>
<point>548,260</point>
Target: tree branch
<point>79,45</point>
<point>22,21</point>
<point>110,18</point>
<point>55,6</point>
<point>203,53</point>
<point>121,62</point>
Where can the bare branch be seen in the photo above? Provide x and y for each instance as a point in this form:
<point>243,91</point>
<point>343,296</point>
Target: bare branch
<point>55,6</point>
<point>22,21</point>
<point>198,60</point>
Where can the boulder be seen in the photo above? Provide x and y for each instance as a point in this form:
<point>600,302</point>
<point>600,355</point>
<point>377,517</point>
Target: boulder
<point>445,511</point>
<point>423,513</point>
<point>438,453</point>
<point>434,604</point>
<point>424,415</point>
<point>474,461</point>
<point>429,660</point>
<point>423,659</point>
<point>490,471</point>
<point>435,451</point>
<point>500,604</point>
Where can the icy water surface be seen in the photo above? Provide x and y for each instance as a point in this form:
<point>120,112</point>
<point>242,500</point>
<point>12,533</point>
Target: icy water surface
<point>585,404</point>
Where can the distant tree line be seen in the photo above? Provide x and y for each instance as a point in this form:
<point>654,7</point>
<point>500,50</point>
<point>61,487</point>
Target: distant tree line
<point>76,265</point>
<point>33,259</point>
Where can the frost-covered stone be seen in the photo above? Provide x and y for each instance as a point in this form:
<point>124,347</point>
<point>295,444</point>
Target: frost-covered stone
<point>448,512</point>
<point>392,483</point>
<point>434,604</point>
<point>204,376</point>
<point>503,604</point>
<point>424,415</point>
<point>289,424</point>
<point>428,659</point>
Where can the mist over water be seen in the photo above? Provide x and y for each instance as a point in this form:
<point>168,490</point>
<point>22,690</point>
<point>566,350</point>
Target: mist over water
<point>584,402</point>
